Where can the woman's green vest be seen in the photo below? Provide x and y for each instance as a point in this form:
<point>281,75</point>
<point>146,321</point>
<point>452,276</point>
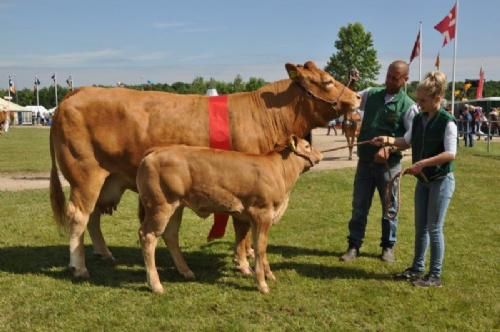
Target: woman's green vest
<point>382,119</point>
<point>428,141</point>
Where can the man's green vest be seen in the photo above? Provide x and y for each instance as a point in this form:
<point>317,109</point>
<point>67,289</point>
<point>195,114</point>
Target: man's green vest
<point>428,141</point>
<point>382,119</point>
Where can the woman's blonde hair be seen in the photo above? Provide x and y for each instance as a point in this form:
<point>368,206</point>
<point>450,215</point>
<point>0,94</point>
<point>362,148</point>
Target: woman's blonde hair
<point>434,84</point>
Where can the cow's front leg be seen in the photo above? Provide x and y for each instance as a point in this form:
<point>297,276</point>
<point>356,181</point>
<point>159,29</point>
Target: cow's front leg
<point>171,238</point>
<point>241,230</point>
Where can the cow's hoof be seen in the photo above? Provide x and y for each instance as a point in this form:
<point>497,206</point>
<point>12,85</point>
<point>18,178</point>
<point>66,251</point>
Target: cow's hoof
<point>105,258</point>
<point>188,275</point>
<point>264,289</point>
<point>79,274</point>
<point>157,289</point>
<point>245,270</point>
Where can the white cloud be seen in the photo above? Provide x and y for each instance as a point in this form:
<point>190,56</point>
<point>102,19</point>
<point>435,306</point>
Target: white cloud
<point>97,58</point>
<point>169,25</point>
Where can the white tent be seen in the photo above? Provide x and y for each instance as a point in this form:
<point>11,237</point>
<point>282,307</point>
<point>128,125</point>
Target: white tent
<point>21,114</point>
<point>6,105</point>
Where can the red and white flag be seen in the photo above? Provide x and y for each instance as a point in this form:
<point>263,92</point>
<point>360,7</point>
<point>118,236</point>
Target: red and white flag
<point>416,48</point>
<point>447,26</point>
<point>480,84</point>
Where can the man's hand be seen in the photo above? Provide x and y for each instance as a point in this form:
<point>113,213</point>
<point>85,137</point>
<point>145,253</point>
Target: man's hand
<point>383,141</point>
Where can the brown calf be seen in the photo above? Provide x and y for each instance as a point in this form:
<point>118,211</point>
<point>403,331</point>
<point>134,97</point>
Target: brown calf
<point>255,188</point>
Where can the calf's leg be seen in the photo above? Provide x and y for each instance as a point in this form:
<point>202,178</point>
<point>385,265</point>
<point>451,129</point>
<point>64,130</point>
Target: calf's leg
<point>171,238</point>
<point>154,223</point>
<point>241,230</point>
<point>260,230</point>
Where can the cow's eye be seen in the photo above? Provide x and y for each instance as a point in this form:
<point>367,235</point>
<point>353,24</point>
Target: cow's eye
<point>328,84</point>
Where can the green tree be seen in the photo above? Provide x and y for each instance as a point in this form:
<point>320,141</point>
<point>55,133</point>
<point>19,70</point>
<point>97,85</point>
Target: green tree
<point>354,50</point>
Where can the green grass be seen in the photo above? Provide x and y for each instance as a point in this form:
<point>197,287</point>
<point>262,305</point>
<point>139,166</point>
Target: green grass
<point>314,291</point>
<point>25,149</point>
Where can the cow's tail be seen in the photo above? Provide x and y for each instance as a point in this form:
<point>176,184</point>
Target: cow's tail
<point>57,199</point>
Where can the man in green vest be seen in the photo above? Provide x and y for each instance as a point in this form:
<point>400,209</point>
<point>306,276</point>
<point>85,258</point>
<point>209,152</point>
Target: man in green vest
<point>388,111</point>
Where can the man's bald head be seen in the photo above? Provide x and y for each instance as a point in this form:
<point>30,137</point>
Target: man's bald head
<point>401,66</point>
<point>397,75</point>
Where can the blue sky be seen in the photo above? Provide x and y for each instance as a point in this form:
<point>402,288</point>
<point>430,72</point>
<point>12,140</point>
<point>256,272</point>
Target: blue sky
<point>107,41</point>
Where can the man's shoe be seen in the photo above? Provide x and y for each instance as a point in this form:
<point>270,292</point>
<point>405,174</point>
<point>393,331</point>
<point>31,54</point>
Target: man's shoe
<point>428,280</point>
<point>351,254</point>
<point>387,255</point>
<point>408,274</point>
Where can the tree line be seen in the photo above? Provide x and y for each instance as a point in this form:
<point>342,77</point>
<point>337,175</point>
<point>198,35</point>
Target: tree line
<point>199,85</point>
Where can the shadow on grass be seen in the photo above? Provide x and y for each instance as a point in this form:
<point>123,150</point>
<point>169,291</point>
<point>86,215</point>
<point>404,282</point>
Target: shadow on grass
<point>210,267</point>
<point>485,155</point>
<point>52,261</point>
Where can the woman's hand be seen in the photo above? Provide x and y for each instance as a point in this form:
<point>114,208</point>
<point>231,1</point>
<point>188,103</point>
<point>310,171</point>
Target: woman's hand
<point>416,168</point>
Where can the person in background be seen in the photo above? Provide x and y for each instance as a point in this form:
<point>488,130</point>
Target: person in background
<point>433,139</point>
<point>387,111</point>
<point>468,126</point>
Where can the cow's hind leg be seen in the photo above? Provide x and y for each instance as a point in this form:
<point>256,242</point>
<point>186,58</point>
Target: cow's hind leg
<point>152,226</point>
<point>81,202</point>
<point>109,197</point>
<point>171,238</point>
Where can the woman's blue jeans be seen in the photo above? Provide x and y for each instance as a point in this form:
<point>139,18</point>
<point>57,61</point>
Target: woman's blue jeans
<point>431,203</point>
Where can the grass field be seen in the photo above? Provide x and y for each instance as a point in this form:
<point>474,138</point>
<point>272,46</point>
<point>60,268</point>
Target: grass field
<point>314,290</point>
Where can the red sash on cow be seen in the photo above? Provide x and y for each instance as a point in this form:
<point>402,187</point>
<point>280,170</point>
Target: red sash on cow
<point>218,119</point>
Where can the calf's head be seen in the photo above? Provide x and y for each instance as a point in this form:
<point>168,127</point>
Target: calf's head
<point>303,149</point>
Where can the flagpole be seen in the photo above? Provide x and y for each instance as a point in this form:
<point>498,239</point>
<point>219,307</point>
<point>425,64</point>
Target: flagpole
<point>37,86</point>
<point>454,62</point>
<point>420,55</point>
<point>10,80</point>
<point>55,86</point>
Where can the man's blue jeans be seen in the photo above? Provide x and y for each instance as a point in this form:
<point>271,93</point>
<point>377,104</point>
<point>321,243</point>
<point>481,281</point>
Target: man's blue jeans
<point>369,176</point>
<point>431,203</point>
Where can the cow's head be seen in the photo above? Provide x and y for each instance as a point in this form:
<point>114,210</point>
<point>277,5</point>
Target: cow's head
<point>322,87</point>
<point>304,149</point>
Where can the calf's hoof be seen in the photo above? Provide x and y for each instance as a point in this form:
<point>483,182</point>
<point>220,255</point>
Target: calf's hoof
<point>270,276</point>
<point>264,289</point>
<point>79,274</point>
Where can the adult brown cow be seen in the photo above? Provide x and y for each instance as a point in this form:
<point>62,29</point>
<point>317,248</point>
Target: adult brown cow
<point>99,136</point>
<point>6,118</point>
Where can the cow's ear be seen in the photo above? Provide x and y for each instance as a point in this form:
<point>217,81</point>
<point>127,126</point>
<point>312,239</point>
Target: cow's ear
<point>293,143</point>
<point>293,73</point>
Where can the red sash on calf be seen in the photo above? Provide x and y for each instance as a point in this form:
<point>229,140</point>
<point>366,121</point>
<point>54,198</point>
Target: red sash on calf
<point>218,119</point>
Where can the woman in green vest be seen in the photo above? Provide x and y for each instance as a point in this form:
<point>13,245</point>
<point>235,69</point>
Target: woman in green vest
<point>433,139</point>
